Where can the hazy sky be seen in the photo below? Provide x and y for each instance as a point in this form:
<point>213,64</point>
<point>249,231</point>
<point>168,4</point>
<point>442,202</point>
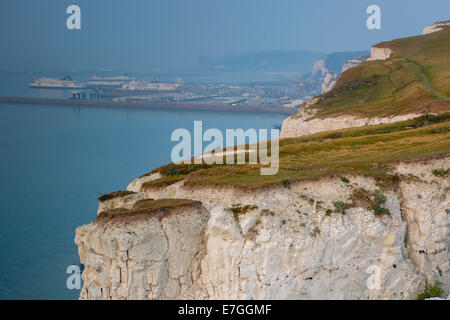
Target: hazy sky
<point>147,34</point>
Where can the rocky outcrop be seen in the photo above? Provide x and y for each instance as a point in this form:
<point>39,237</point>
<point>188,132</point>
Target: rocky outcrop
<point>435,27</point>
<point>319,68</point>
<point>136,184</point>
<point>329,82</point>
<point>378,53</point>
<point>276,243</point>
<point>153,256</point>
<point>354,62</point>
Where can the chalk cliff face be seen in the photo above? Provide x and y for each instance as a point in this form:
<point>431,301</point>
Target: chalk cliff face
<point>278,243</point>
<point>304,123</point>
<point>377,53</point>
<point>354,62</point>
<point>153,256</point>
<point>438,26</point>
<point>319,68</point>
<point>329,82</point>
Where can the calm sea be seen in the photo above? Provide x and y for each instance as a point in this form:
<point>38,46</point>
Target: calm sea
<point>56,160</point>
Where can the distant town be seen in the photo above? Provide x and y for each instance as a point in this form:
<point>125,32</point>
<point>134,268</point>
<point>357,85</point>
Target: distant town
<point>284,90</point>
<point>124,88</point>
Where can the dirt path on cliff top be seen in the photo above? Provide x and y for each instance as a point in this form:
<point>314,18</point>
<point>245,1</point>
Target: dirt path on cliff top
<point>426,81</point>
<point>412,51</point>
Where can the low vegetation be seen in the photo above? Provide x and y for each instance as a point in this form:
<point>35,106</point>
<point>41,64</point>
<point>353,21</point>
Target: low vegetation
<point>287,182</point>
<point>237,209</point>
<point>345,180</point>
<point>431,291</point>
<point>370,201</point>
<point>114,195</point>
<point>160,183</point>
<point>340,207</point>
<point>441,173</point>
<point>379,202</point>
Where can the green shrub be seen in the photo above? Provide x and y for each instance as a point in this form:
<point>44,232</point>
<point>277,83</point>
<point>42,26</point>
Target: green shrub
<point>173,171</point>
<point>190,169</point>
<point>447,210</point>
<point>345,180</point>
<point>431,291</point>
<point>441,172</point>
<point>287,182</point>
<point>237,209</point>
<point>339,207</point>
<point>268,212</point>
<point>378,207</point>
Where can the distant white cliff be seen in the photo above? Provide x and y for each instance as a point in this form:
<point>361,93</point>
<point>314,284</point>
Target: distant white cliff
<point>354,62</point>
<point>438,26</point>
<point>329,82</point>
<point>329,68</point>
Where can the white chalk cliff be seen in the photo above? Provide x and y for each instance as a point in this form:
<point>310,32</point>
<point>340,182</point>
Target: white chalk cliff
<point>435,27</point>
<point>304,122</point>
<point>329,82</point>
<point>287,246</point>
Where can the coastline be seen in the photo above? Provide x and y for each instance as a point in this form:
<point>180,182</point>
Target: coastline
<point>149,105</point>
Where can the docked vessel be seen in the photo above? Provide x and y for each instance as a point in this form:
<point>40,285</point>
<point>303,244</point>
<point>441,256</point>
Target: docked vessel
<point>109,82</point>
<point>124,77</point>
<point>51,83</point>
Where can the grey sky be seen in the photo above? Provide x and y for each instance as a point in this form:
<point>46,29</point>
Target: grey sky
<point>147,34</point>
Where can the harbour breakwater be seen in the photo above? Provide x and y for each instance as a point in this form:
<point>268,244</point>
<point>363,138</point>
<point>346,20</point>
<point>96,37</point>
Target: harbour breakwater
<point>149,105</point>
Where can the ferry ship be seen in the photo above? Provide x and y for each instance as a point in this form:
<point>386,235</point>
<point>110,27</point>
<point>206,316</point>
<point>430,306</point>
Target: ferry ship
<point>124,78</point>
<point>109,82</point>
<point>51,83</point>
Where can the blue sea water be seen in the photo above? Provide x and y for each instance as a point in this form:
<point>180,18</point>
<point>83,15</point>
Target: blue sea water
<point>56,160</point>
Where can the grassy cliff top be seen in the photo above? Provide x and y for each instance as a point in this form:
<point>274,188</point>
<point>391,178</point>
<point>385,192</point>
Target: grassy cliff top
<point>370,151</point>
<point>145,207</point>
<point>415,79</point>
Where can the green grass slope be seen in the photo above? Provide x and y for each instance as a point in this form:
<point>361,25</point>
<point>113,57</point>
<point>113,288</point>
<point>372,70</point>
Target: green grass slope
<point>369,151</point>
<point>415,79</point>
